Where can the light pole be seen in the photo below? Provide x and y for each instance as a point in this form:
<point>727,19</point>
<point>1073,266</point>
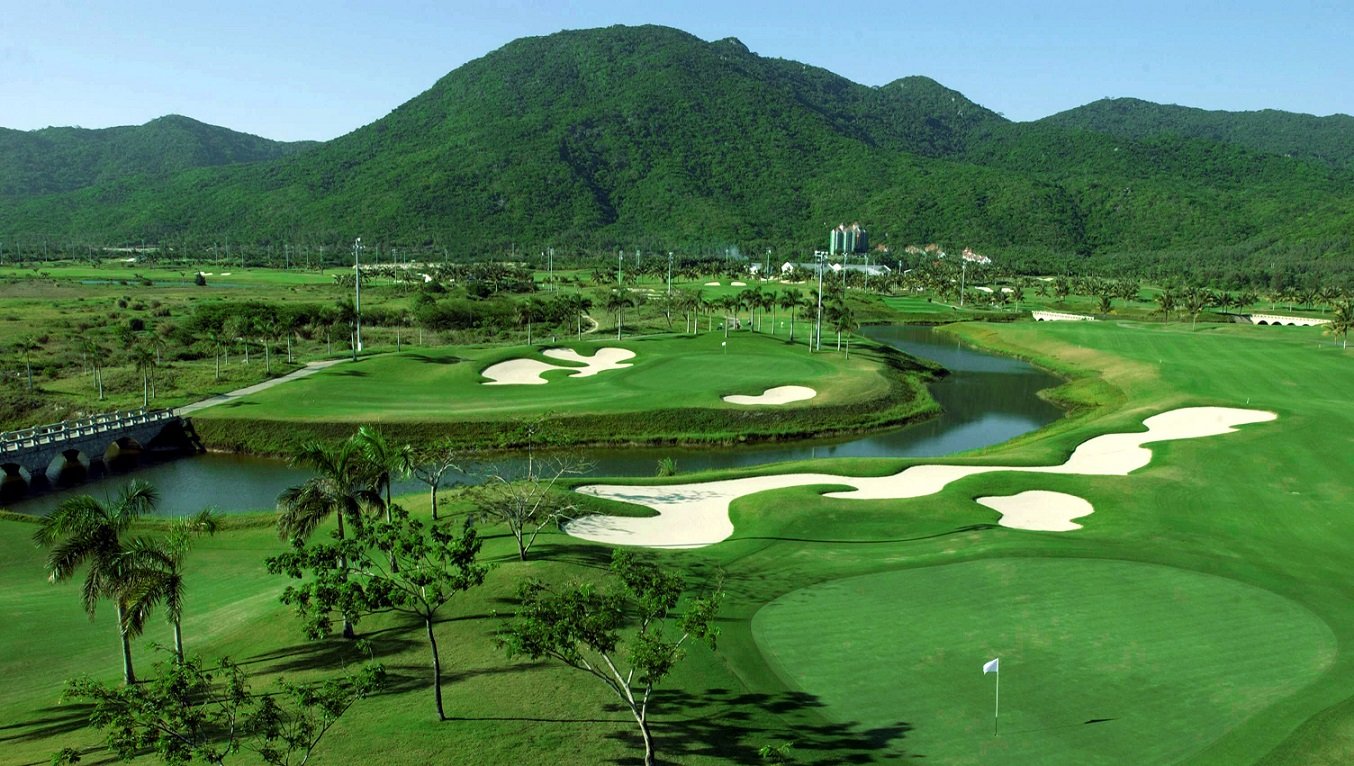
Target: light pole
<point>963,276</point>
<point>818,326</point>
<point>357,298</point>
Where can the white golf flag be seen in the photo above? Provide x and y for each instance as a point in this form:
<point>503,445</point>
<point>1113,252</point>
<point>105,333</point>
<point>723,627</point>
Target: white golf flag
<point>991,666</point>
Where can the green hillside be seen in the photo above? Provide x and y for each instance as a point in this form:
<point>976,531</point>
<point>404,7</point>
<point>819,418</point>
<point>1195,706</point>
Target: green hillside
<point>54,160</point>
<point>649,137</point>
<point>1326,139</point>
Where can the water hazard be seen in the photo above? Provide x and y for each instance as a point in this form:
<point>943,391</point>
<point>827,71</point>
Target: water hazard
<point>987,399</point>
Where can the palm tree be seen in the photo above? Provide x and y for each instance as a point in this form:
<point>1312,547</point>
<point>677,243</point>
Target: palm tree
<point>1165,301</point>
<point>144,359</point>
<point>791,300</point>
<point>1194,302</point>
<point>617,301</point>
<point>155,574</point>
<point>384,460</point>
<point>338,488</point>
<point>529,311</point>
<point>84,532</point>
<point>1341,321</point>
<point>844,321</point>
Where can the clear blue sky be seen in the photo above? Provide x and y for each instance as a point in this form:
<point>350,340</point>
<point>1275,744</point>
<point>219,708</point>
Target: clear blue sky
<point>291,69</point>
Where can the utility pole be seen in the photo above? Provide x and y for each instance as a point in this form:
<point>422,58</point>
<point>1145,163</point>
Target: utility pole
<point>669,272</point>
<point>620,256</point>
<point>551,251</point>
<point>357,299</point>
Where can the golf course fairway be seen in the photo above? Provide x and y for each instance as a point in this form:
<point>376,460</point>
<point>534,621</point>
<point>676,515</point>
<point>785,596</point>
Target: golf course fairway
<point>1102,662</point>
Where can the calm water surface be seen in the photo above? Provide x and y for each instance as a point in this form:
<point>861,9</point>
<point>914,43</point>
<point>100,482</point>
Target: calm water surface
<point>987,399</point>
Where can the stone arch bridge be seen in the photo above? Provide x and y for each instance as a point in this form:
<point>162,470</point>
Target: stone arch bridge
<point>38,454</point>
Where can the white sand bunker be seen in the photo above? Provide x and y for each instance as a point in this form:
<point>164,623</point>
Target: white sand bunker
<point>528,372</point>
<point>712,284</point>
<point>696,515</point>
<point>1039,510</point>
<point>777,395</point>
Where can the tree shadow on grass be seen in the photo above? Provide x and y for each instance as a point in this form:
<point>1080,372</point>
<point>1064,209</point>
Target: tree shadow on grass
<point>732,727</point>
<point>348,372</point>
<point>433,359</point>
<point>331,653</point>
<point>48,722</point>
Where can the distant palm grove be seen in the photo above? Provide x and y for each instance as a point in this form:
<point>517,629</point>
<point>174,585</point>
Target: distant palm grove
<point>647,138</point>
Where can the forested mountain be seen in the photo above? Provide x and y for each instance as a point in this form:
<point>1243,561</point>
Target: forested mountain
<point>649,137</point>
<point>1328,139</point>
<point>64,159</point>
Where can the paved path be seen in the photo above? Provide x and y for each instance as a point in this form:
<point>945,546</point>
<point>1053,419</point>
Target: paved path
<point>309,369</point>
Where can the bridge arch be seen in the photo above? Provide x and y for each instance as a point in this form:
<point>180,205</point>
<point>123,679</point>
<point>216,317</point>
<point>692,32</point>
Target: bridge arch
<point>15,481</point>
<point>122,453</point>
<point>68,467</point>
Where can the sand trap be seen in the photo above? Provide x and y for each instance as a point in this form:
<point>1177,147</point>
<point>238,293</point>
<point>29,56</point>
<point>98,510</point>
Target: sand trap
<point>738,284</point>
<point>528,372</point>
<point>777,395</point>
<point>605,359</point>
<point>696,515</point>
<point>712,284</point>
<point>1039,510</point>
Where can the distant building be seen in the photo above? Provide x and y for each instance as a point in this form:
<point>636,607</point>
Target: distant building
<point>848,239</point>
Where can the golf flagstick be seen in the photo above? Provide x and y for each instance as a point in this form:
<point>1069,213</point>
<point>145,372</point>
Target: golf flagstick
<point>994,666</point>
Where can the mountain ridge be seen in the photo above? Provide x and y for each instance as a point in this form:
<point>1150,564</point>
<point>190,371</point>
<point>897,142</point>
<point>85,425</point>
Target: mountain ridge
<point>650,137</point>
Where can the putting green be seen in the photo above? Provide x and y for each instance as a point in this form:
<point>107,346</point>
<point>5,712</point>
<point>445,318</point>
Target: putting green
<point>1102,661</point>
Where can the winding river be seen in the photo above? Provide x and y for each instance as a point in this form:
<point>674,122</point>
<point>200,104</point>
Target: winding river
<point>987,399</point>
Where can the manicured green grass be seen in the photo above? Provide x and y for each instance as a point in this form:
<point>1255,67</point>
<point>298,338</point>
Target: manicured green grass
<point>671,392</point>
<point>1235,547</point>
<point>1090,650</point>
<point>446,384</point>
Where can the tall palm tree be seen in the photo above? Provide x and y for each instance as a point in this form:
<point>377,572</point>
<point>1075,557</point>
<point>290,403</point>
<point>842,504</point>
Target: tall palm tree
<point>155,574</point>
<point>791,300</point>
<point>144,359</point>
<point>384,461</point>
<point>1342,319</point>
<point>339,488</point>
<point>1165,301</point>
<point>844,321</point>
<point>617,301</point>
<point>84,532</point>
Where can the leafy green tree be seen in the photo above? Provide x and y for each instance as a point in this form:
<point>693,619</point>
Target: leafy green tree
<point>84,532</point>
<point>155,576</point>
<point>359,576</point>
<point>626,637</point>
<point>339,488</point>
<point>188,713</point>
<point>1105,303</point>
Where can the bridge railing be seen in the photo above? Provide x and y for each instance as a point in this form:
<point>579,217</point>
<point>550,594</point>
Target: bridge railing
<point>70,430</point>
